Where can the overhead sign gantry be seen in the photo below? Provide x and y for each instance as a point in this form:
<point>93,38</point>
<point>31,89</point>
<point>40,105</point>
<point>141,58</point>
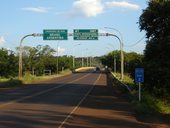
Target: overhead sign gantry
<point>78,34</point>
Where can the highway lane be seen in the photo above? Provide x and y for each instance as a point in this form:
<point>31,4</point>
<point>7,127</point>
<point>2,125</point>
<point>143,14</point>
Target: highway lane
<point>18,93</point>
<point>45,105</point>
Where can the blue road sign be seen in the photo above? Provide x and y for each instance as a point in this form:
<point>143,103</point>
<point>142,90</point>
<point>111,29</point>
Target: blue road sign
<point>139,75</point>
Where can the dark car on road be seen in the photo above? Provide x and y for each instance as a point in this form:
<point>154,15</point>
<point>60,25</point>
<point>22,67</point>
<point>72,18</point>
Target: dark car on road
<point>97,69</point>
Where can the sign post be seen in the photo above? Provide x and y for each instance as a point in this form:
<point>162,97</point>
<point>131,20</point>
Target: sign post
<point>139,78</point>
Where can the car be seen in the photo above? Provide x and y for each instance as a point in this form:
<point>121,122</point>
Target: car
<point>97,69</point>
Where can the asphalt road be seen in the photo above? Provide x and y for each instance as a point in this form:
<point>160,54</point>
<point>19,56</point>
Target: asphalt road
<point>80,100</point>
<point>45,105</point>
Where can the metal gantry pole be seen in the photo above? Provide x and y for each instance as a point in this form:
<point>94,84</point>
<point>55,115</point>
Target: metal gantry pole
<point>20,54</point>
<point>121,54</point>
<point>57,57</point>
<point>74,56</point>
<point>121,47</point>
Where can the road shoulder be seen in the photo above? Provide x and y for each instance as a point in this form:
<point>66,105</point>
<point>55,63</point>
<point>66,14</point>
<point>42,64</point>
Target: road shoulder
<point>105,107</point>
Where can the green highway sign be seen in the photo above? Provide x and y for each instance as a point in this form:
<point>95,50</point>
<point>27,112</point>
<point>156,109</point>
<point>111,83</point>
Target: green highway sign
<point>55,34</point>
<point>85,34</point>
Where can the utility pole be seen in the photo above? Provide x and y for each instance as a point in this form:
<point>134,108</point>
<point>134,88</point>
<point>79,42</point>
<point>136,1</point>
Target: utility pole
<point>90,61</point>
<point>82,60</point>
<point>114,64</point>
<point>87,61</point>
<point>74,56</point>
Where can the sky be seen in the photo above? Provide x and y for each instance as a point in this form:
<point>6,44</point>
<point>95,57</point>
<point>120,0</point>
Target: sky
<point>119,17</point>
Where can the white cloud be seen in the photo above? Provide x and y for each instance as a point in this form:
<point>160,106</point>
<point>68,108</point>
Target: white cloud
<point>92,8</point>
<point>60,51</point>
<point>123,4</point>
<point>2,40</point>
<point>36,9</point>
<point>87,8</point>
<point>103,31</point>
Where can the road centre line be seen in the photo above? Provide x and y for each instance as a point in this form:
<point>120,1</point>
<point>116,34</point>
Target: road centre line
<point>79,102</point>
<point>42,92</point>
<point>68,77</point>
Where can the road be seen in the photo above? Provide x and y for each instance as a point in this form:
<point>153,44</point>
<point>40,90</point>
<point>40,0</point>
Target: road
<point>45,105</point>
<point>80,100</point>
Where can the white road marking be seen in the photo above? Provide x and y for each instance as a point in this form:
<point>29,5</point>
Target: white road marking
<point>42,92</point>
<point>79,103</point>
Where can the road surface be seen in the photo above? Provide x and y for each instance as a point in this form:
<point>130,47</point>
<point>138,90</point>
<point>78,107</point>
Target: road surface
<point>80,100</point>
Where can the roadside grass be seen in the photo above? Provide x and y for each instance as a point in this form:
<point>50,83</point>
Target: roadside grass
<point>126,80</point>
<point>149,103</point>
<point>9,83</point>
<point>28,79</point>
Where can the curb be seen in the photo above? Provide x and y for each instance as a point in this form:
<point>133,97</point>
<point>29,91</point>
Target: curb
<point>121,83</point>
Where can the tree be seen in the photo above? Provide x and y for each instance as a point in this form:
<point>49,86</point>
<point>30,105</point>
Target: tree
<point>38,58</point>
<point>155,20</point>
<point>132,61</point>
<point>8,63</point>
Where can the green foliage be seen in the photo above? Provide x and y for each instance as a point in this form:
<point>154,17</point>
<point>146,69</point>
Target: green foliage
<point>65,62</point>
<point>132,60</point>
<point>155,20</point>
<point>108,60</point>
<point>8,83</point>
<point>8,63</point>
<point>126,79</point>
<point>36,60</point>
<point>40,58</point>
<point>149,103</point>
<point>14,82</point>
<point>29,78</point>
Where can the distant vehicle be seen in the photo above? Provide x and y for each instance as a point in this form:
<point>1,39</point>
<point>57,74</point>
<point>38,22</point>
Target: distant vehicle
<point>97,69</point>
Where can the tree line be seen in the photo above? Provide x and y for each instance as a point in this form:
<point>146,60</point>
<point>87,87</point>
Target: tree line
<point>155,21</point>
<point>131,61</point>
<point>37,60</point>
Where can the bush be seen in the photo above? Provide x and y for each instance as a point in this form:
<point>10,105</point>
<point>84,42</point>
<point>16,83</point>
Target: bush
<point>149,102</point>
<point>10,83</point>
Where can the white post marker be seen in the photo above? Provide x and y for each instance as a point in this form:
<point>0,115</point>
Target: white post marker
<point>139,91</point>
<point>139,78</point>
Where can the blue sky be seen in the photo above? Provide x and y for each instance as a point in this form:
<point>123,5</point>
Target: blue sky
<point>22,17</point>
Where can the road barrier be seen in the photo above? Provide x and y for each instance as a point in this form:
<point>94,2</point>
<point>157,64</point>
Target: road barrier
<point>84,68</point>
<point>118,82</point>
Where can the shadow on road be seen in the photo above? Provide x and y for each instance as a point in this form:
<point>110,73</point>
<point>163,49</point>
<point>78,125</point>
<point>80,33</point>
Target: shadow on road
<point>102,98</point>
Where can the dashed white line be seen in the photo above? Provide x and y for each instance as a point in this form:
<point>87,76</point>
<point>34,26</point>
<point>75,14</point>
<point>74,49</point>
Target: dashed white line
<point>39,93</point>
<point>79,103</point>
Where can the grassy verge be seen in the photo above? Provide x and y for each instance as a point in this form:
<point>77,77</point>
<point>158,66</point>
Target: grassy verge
<point>9,83</point>
<point>149,103</point>
<point>28,79</point>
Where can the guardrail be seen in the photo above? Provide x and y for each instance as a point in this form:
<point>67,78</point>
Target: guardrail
<point>83,68</point>
<point>120,82</point>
